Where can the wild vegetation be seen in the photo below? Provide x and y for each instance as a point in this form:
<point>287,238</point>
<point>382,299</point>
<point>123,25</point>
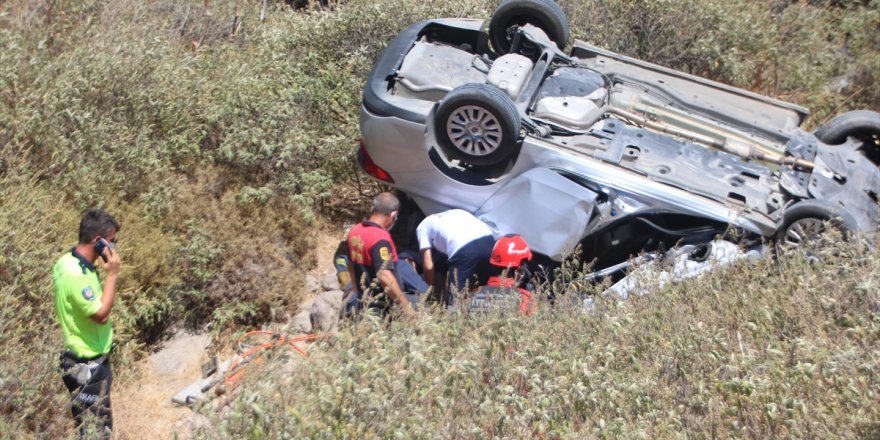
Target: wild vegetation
<point>779,349</point>
<point>219,151</point>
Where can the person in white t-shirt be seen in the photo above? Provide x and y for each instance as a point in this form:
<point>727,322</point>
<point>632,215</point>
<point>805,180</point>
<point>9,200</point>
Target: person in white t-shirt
<point>460,243</point>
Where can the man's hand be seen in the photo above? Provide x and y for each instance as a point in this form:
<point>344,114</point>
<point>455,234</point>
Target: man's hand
<point>113,263</point>
<point>389,282</point>
<point>112,266</point>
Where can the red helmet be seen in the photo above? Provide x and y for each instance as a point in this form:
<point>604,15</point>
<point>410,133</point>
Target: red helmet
<point>510,251</point>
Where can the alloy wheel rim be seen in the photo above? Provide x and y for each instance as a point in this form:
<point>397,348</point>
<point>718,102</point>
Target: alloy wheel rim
<point>474,130</point>
<point>804,230</point>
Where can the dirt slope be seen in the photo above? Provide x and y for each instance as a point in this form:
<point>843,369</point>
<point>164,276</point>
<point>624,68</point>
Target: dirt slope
<point>142,407</point>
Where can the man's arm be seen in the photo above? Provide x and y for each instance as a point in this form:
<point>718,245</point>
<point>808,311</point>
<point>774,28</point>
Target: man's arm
<point>109,286</point>
<point>389,282</point>
<point>382,255</point>
<point>355,282</point>
<point>428,266</point>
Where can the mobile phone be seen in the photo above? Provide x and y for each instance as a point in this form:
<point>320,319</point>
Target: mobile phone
<point>100,246</point>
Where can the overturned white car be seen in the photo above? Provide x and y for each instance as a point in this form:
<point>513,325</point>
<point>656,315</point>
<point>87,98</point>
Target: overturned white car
<point>593,149</point>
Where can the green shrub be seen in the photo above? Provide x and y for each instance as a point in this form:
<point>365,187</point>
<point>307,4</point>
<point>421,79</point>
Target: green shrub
<point>30,220</point>
<point>38,227</point>
<point>220,151</point>
<point>780,348</point>
<point>817,54</point>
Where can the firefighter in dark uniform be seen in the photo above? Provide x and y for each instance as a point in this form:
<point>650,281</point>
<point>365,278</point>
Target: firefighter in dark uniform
<point>82,305</point>
<point>506,290</point>
<point>374,258</point>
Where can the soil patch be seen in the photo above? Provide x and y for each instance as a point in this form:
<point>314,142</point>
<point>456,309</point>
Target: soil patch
<point>142,407</point>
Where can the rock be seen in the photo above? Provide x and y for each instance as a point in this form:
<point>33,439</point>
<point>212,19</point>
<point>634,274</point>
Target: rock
<point>329,282</point>
<point>306,305</point>
<point>326,310</point>
<point>302,321</point>
<point>838,84</point>
<point>192,422</point>
<point>179,354</point>
<point>312,284</point>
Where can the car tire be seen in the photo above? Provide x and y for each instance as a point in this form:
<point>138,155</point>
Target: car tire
<point>807,219</point>
<point>477,124</point>
<point>861,125</point>
<point>545,14</point>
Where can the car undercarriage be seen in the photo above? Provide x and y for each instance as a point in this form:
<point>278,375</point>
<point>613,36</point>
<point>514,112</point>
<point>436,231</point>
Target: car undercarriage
<point>596,151</point>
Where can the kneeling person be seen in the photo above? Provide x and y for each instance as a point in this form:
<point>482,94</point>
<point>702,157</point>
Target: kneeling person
<point>374,258</point>
<point>505,289</point>
<point>465,239</point>
<point>407,277</point>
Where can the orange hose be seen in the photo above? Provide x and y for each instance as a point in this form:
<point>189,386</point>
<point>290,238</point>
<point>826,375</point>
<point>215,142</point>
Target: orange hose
<point>243,359</point>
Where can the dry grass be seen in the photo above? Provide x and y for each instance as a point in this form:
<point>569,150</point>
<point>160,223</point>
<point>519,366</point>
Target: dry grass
<point>782,348</point>
<point>220,153</point>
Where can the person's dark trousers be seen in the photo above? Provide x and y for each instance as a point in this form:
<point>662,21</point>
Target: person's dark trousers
<point>410,280</point>
<point>471,259</point>
<point>411,283</point>
<point>441,266</point>
<point>89,381</point>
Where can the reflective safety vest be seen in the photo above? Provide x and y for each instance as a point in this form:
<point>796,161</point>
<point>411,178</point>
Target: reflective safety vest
<point>77,298</point>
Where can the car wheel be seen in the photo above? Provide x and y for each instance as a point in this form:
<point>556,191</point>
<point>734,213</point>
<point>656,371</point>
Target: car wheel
<point>477,124</point>
<point>861,125</point>
<point>806,220</point>
<point>510,14</point>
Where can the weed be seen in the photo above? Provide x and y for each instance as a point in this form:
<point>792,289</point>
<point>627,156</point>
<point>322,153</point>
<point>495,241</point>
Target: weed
<point>219,152</point>
<point>775,348</point>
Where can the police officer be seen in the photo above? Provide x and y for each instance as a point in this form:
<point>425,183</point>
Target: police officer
<point>506,287</point>
<point>374,258</point>
<point>82,305</point>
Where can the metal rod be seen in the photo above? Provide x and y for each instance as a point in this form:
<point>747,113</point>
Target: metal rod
<point>743,149</point>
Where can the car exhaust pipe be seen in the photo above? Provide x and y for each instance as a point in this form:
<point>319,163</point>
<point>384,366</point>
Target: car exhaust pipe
<point>736,147</point>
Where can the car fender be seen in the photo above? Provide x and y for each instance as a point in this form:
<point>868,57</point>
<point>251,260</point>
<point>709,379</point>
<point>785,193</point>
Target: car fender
<point>551,212</point>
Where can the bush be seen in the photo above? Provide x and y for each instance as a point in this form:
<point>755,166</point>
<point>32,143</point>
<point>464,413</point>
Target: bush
<point>781,348</point>
<point>816,54</point>
<point>219,151</point>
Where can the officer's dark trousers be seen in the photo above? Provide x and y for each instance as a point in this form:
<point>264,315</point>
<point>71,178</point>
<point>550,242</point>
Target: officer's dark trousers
<point>91,399</point>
